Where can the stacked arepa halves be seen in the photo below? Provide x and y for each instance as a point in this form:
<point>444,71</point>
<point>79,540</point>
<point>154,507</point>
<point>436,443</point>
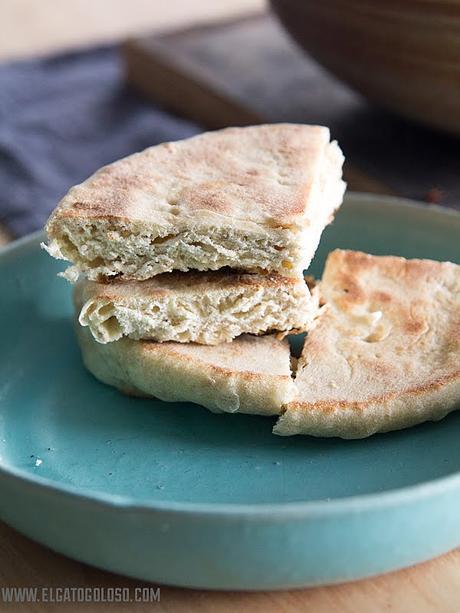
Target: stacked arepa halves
<point>189,262</point>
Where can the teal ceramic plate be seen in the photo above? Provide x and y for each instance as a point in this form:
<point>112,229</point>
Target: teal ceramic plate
<point>175,494</point>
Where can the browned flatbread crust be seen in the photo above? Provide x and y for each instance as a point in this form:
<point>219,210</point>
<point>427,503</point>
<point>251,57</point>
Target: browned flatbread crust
<point>385,353</point>
<point>254,198</point>
<point>262,173</point>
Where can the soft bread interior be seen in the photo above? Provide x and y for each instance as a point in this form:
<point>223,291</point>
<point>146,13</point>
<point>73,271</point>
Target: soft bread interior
<point>106,248</point>
<point>212,313</point>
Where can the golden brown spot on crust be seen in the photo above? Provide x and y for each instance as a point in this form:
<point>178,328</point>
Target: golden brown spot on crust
<point>360,261</point>
<point>352,291</point>
<point>414,326</point>
<point>381,297</point>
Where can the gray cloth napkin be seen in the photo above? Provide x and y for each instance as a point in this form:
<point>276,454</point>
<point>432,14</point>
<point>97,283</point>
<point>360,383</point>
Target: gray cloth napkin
<point>63,117</point>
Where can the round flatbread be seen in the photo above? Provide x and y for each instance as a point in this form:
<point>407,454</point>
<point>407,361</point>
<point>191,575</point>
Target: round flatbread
<point>384,354</point>
<point>249,375</point>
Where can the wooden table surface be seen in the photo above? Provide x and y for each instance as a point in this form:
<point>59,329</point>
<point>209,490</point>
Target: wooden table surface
<point>432,586</point>
<point>29,28</point>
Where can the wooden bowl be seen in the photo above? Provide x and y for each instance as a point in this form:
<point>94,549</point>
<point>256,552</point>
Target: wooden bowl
<point>403,55</point>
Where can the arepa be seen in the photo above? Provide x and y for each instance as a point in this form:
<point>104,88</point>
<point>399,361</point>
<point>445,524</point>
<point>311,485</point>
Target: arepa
<point>201,307</point>
<point>255,199</point>
<point>249,375</point>
<point>385,352</point>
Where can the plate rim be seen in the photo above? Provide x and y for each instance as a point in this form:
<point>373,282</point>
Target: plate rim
<point>279,510</point>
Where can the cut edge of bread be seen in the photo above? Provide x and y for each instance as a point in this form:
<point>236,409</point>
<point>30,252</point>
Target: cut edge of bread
<point>264,216</point>
<point>208,308</point>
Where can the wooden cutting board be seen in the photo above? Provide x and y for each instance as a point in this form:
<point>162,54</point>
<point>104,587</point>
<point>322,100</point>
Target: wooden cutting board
<point>247,71</point>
